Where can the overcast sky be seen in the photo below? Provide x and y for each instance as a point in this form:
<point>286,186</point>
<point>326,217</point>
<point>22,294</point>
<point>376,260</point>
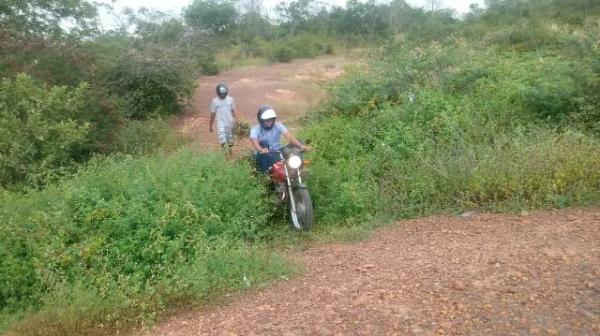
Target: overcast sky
<point>174,6</point>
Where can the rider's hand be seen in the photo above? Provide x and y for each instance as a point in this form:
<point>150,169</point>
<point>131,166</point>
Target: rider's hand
<point>306,148</point>
<point>264,151</point>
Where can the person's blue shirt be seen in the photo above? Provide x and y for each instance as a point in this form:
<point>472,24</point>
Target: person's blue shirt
<point>269,138</point>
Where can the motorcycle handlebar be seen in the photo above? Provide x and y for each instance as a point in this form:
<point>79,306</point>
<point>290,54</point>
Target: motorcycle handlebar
<point>283,151</point>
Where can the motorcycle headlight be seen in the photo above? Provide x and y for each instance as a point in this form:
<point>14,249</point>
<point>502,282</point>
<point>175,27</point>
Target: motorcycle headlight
<point>294,162</point>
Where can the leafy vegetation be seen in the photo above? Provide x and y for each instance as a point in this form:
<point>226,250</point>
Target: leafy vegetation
<point>214,16</point>
<point>139,137</point>
<point>154,88</point>
<point>127,237</point>
<point>45,17</point>
<point>461,124</point>
<point>40,130</point>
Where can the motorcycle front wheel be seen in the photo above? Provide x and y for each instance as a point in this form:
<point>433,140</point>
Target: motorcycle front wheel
<point>302,220</point>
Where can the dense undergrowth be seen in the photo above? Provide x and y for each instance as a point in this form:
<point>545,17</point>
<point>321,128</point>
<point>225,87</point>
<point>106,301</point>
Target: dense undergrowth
<point>437,127</point>
<point>129,237</point>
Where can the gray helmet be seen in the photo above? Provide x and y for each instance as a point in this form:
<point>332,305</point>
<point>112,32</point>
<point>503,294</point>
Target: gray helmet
<point>222,90</point>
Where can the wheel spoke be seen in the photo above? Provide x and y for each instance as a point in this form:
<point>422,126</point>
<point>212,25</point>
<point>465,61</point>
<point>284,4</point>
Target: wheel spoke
<point>302,218</point>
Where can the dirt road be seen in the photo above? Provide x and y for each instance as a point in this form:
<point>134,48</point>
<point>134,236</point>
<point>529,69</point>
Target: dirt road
<point>292,88</point>
<point>488,274</point>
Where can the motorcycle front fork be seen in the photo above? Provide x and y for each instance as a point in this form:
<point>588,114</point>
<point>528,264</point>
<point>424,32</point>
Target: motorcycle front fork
<point>289,189</point>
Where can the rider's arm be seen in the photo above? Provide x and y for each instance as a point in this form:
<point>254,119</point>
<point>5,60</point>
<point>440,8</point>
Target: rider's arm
<point>212,120</point>
<point>290,137</point>
<point>213,111</point>
<point>257,146</point>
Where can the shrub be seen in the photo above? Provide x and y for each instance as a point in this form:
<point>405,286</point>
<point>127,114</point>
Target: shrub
<point>149,87</point>
<point>142,137</point>
<point>241,129</point>
<point>208,65</point>
<point>283,54</point>
<point>552,93</point>
<point>41,132</point>
<point>125,237</point>
<point>436,128</point>
<point>53,62</point>
<point>298,46</point>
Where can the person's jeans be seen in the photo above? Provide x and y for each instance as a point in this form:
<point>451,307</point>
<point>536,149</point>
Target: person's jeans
<point>265,161</point>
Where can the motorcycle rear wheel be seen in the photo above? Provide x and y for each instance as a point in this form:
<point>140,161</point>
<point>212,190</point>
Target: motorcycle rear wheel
<point>303,220</point>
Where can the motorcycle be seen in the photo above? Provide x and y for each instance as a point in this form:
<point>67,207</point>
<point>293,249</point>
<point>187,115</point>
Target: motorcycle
<point>286,173</point>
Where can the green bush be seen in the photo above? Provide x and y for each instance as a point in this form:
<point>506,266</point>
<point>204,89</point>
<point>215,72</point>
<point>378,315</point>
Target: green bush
<point>552,93</point>
<point>297,46</point>
<point>142,137</point>
<point>55,62</point>
<point>433,129</point>
<point>305,45</point>
<point>127,237</point>
<point>149,87</point>
<point>208,65</point>
<point>241,128</point>
<point>391,164</point>
<point>341,182</point>
<point>283,54</point>
<point>41,132</point>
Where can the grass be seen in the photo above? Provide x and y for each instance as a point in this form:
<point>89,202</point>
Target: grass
<point>144,137</point>
<point>231,58</point>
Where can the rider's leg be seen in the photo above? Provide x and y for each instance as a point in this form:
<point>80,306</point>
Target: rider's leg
<point>262,162</point>
<point>226,138</point>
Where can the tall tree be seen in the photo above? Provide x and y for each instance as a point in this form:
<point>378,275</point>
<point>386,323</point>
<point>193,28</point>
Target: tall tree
<point>215,16</point>
<point>434,5</point>
<point>252,22</point>
<point>294,13</point>
<point>46,18</point>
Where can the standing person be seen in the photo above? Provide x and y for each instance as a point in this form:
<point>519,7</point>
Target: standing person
<point>222,108</point>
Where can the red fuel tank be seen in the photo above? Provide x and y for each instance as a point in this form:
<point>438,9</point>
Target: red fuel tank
<point>278,171</point>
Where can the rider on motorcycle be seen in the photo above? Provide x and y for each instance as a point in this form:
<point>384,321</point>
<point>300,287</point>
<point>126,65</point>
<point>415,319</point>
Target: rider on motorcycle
<point>266,137</point>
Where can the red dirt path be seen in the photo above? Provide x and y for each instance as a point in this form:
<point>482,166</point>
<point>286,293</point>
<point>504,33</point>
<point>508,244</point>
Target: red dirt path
<point>489,274</point>
<point>291,88</point>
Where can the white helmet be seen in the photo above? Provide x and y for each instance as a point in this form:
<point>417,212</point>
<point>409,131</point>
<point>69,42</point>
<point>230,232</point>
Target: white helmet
<point>266,113</point>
